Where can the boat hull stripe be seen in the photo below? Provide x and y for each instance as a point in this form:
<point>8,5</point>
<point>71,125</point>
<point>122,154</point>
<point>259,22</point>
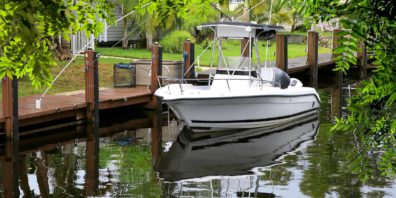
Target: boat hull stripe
<point>253,120</point>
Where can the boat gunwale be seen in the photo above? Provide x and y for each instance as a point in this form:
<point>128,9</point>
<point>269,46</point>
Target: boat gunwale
<point>235,97</point>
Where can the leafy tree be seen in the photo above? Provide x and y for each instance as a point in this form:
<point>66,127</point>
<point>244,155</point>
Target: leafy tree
<point>372,110</point>
<point>295,13</point>
<point>260,12</point>
<point>27,28</point>
<point>166,15</point>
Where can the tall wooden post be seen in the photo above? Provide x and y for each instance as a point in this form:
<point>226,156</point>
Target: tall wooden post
<point>313,47</point>
<point>92,87</point>
<point>336,92</point>
<point>188,51</point>
<point>156,66</point>
<point>362,61</point>
<point>10,107</point>
<point>281,52</point>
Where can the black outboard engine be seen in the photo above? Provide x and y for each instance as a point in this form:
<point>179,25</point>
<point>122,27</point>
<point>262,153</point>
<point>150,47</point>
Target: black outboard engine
<point>281,78</point>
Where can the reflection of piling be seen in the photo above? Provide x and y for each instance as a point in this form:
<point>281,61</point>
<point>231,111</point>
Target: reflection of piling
<point>10,169</point>
<point>188,50</point>
<point>10,107</point>
<point>313,47</point>
<point>92,161</point>
<point>281,52</point>
<point>156,134</point>
<point>336,91</point>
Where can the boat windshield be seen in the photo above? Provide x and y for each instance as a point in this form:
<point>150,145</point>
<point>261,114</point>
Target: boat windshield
<point>237,44</point>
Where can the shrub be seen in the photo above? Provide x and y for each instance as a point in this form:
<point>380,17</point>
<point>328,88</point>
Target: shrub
<point>173,42</point>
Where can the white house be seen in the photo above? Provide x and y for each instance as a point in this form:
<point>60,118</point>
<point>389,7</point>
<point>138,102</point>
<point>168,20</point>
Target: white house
<point>111,35</point>
<point>233,4</point>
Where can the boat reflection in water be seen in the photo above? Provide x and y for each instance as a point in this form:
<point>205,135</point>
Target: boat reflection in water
<point>198,157</point>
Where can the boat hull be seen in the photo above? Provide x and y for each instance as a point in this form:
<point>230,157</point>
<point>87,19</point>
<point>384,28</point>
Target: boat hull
<point>242,112</point>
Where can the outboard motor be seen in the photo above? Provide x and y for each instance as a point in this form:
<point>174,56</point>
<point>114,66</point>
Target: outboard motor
<point>281,78</point>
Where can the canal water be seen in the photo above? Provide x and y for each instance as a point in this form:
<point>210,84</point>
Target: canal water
<point>128,159</point>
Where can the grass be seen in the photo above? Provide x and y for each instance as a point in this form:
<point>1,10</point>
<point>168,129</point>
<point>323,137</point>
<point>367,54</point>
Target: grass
<point>230,48</point>
<point>73,77</point>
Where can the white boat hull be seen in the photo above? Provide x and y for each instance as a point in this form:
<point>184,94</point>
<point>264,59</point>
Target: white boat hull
<point>249,111</point>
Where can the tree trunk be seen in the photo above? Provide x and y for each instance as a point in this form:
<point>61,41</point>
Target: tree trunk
<point>149,39</point>
<point>245,15</point>
<point>125,37</point>
<point>293,27</point>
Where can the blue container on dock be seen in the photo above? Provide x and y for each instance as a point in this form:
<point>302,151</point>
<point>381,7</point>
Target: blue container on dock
<point>124,75</point>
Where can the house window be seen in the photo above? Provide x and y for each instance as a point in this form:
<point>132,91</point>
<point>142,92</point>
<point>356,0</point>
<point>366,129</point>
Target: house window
<point>236,1</point>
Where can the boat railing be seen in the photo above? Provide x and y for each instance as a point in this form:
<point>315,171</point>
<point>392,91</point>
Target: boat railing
<point>183,83</point>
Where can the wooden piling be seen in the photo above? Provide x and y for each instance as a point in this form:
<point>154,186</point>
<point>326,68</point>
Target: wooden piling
<point>188,50</point>
<point>281,52</point>
<point>335,40</point>
<point>245,47</point>
<point>156,66</point>
<point>362,61</point>
<point>336,97</point>
<point>336,91</point>
<point>92,86</point>
<point>10,107</point>
<point>313,47</point>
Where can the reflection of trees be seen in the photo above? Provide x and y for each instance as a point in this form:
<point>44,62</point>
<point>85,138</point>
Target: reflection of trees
<point>278,175</point>
<point>329,167</point>
<point>133,164</point>
<point>23,178</point>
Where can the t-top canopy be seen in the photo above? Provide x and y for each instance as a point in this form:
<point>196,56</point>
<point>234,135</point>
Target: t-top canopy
<point>242,30</point>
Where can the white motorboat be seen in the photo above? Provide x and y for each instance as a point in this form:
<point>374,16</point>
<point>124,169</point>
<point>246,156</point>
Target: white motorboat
<point>233,153</point>
<point>242,95</point>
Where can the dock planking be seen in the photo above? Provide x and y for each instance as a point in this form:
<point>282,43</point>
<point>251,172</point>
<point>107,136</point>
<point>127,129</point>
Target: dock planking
<point>71,104</point>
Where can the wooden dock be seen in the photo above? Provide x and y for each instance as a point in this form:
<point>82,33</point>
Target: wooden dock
<point>21,115</point>
<point>72,104</point>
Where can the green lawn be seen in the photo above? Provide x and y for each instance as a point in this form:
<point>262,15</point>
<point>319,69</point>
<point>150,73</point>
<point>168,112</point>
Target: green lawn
<point>230,48</point>
<point>73,77</point>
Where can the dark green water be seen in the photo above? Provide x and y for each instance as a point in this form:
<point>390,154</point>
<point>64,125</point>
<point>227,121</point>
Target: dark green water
<point>302,159</point>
